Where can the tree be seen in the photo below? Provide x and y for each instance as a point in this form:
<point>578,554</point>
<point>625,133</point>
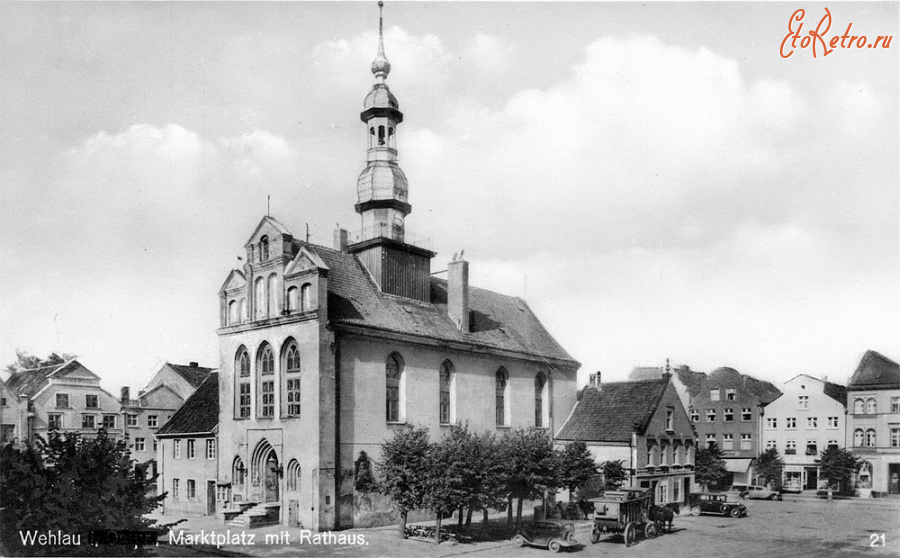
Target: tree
<point>838,466</point>
<point>404,470</point>
<point>24,361</point>
<point>769,466</point>
<point>73,485</point>
<point>614,474</point>
<point>709,468</point>
<point>452,480</point>
<point>531,465</point>
<point>575,466</point>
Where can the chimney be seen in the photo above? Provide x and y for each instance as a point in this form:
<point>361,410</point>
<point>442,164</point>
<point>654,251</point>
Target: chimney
<point>194,365</point>
<point>595,380</point>
<point>340,240</point>
<point>458,293</point>
<point>126,395</point>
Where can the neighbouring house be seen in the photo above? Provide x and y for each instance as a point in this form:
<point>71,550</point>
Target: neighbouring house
<point>806,418</point>
<point>65,397</point>
<point>188,455</point>
<point>164,394</point>
<point>12,415</point>
<point>642,423</point>
<point>326,351</point>
<point>873,423</point>
<point>724,407</point>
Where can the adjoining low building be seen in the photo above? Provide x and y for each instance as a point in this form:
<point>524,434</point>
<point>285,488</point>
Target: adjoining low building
<point>807,418</point>
<point>188,454</point>
<point>643,424</point>
<point>65,397</point>
<point>873,423</point>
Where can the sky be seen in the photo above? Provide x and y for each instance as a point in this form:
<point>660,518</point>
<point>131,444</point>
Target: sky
<point>655,179</point>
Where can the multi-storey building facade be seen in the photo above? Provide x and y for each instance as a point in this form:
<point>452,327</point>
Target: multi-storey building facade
<point>807,418</point>
<point>188,454</point>
<point>724,407</point>
<point>65,397</point>
<point>642,423</point>
<point>166,392</point>
<point>326,351</point>
<point>873,423</point>
<point>12,415</point>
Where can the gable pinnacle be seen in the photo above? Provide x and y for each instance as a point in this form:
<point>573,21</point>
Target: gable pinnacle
<point>380,66</point>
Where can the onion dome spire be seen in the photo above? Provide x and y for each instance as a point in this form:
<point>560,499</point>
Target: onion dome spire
<point>380,66</point>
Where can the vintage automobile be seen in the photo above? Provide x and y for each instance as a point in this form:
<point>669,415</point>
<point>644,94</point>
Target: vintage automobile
<point>553,535</point>
<point>755,492</point>
<point>717,503</point>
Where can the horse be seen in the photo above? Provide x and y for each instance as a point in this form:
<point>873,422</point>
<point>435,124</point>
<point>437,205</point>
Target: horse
<point>665,515</point>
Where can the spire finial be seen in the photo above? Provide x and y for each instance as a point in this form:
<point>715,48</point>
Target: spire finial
<point>380,66</point>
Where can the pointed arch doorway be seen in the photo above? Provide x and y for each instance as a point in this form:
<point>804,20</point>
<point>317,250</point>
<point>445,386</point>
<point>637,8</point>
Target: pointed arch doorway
<point>268,471</point>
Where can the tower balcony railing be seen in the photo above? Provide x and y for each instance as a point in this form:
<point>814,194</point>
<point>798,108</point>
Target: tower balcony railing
<point>392,232</point>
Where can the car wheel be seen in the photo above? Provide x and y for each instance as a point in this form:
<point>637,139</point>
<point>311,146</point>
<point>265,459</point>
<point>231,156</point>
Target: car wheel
<point>735,512</point>
<point>595,537</point>
<point>629,535</point>
<point>650,531</point>
<point>745,495</point>
<point>695,510</point>
<point>779,497</point>
<point>519,540</point>
<point>554,545</point>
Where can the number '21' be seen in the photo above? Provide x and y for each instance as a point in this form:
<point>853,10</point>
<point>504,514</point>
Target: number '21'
<point>876,539</point>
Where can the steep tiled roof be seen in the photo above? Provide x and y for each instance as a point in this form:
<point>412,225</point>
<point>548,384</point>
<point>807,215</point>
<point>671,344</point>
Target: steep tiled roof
<point>836,392</point>
<point>766,391</point>
<point>29,382</point>
<point>195,375</point>
<point>614,412</point>
<point>199,414</point>
<point>875,371</point>
<point>498,321</point>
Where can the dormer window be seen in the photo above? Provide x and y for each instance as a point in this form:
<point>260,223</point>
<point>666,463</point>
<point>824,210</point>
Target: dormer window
<point>264,248</point>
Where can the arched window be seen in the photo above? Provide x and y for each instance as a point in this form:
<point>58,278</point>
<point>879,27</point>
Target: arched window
<point>292,481</point>
<point>390,136</point>
<point>371,137</point>
<point>292,379</point>
<point>870,438</point>
<point>264,248</point>
<point>540,383</point>
<point>306,297</point>
<point>445,395</point>
<point>266,367</point>
<point>293,299</point>
<point>501,384</point>
<point>858,438</point>
<point>871,408</point>
<point>242,397</point>
<point>232,312</point>
<point>242,310</point>
<point>859,407</point>
<point>238,473</point>
<point>260,300</point>
<point>271,303</point>
<point>393,371</point>
<point>381,135</point>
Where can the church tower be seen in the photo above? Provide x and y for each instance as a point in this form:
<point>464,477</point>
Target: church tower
<point>398,266</point>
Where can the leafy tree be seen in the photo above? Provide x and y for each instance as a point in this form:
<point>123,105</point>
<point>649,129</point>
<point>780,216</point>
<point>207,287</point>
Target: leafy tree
<point>614,474</point>
<point>709,468</point>
<point>839,466</point>
<point>531,465</point>
<point>452,480</point>
<point>73,485</point>
<point>575,466</point>
<point>769,466</point>
<point>24,361</point>
<point>405,471</point>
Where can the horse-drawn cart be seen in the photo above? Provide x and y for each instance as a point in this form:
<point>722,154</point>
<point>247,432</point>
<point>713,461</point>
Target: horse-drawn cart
<point>625,512</point>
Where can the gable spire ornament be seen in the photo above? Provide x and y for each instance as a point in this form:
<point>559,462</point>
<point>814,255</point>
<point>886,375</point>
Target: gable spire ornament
<point>380,66</point>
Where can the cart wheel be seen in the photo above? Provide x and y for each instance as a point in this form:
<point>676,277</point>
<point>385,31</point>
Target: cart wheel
<point>695,510</point>
<point>595,537</point>
<point>519,540</point>
<point>650,531</point>
<point>735,512</point>
<point>629,534</point>
<point>554,545</point>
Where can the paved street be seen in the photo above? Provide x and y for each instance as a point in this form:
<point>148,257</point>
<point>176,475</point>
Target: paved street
<point>797,527</point>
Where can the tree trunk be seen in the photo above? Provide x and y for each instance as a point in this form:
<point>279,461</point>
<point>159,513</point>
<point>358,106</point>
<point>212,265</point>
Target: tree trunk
<point>829,492</point>
<point>519,514</point>
<point>402,524</point>
<point>469,516</point>
<point>459,522</point>
<point>509,511</point>
<point>437,529</point>
<point>484,516</point>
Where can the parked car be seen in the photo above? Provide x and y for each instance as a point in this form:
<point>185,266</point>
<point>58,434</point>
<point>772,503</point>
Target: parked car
<point>717,503</point>
<point>553,535</point>
<point>756,492</point>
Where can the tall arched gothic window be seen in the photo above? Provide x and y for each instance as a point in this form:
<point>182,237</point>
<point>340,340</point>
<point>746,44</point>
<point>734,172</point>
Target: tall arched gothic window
<point>242,387</point>
<point>445,381</point>
<point>501,384</point>
<point>393,376</point>
<point>292,379</point>
<point>266,367</point>
<point>264,248</point>
<point>540,382</point>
